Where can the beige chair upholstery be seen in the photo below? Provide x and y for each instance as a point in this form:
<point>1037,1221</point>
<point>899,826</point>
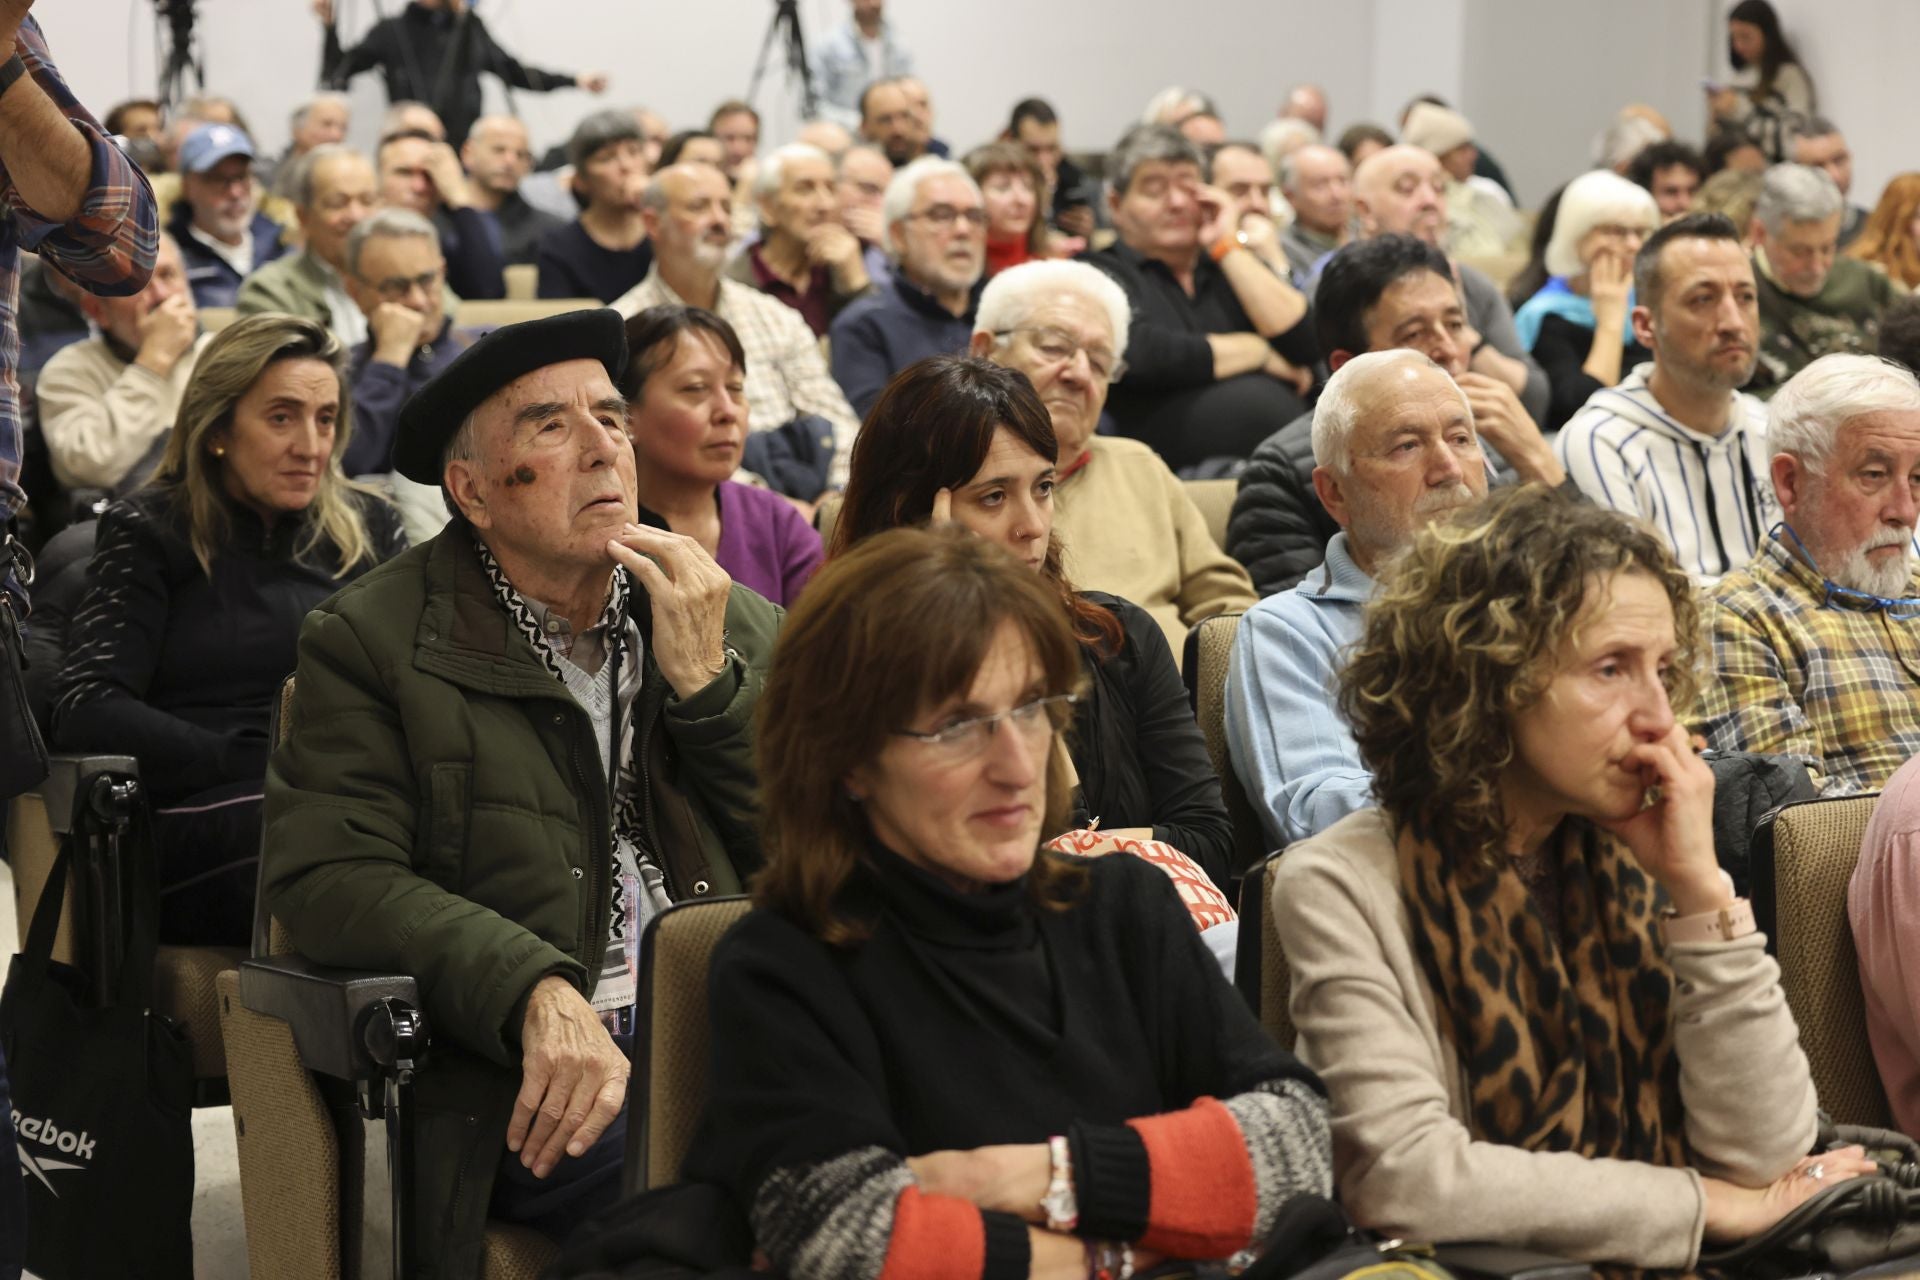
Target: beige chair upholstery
<point>1260,967</point>
<point>1815,846</point>
<point>827,515</point>
<point>491,313</point>
<point>1215,500</point>
<point>523,282</point>
<point>183,977</point>
<point>294,1191</point>
<point>214,319</point>
<point>678,947</point>
<point>1213,644</point>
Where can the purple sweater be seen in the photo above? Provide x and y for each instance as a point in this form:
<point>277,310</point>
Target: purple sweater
<point>765,545</point>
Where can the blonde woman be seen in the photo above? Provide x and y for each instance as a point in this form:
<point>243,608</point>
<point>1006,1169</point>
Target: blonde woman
<point>194,598</point>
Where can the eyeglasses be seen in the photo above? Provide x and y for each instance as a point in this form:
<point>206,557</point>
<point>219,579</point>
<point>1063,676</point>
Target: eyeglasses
<point>1899,609</point>
<point>943,216</point>
<point>1057,346</point>
<point>398,287</point>
<point>1035,721</point>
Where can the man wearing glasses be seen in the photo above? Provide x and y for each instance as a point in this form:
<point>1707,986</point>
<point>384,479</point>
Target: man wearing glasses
<point>397,276</point>
<point>1817,640</point>
<point>1126,522</point>
<point>937,238</point>
<point>217,223</point>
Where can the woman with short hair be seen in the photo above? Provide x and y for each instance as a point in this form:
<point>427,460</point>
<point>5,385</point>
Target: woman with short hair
<point>687,413</point>
<point>194,599</point>
<point>1542,1015</point>
<point>940,1050</point>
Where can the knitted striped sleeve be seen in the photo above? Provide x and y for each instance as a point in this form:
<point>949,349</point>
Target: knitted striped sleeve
<point>1206,1181</point>
<point>859,1216</point>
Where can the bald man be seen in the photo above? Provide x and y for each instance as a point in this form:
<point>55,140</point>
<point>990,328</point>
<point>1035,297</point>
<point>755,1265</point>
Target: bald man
<point>1401,190</point>
<point>1306,102</point>
<point>498,156</point>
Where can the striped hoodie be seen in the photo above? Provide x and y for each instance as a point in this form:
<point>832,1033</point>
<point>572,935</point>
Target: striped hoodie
<point>1711,497</point>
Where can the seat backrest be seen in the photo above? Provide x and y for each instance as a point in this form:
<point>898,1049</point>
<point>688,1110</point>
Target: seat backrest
<point>1803,859</point>
<point>1215,500</point>
<point>1212,644</point>
<point>214,319</point>
<point>522,281</point>
<point>269,938</point>
<point>1260,966</point>
<point>491,313</point>
<point>671,1061</point>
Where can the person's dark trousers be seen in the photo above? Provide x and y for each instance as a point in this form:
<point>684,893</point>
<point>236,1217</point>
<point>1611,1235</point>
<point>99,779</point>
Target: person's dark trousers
<point>580,1187</point>
<point>209,851</point>
<point>1225,419</point>
<point>13,1195</point>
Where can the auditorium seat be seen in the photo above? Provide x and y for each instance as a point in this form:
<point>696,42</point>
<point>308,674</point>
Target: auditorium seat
<point>491,313</point>
<point>1209,647</point>
<point>1215,500</point>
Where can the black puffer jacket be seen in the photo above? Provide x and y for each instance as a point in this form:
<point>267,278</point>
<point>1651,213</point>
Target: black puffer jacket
<point>1278,528</point>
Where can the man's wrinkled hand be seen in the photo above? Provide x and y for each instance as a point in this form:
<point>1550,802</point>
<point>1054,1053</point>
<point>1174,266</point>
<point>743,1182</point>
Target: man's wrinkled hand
<point>573,1078</point>
<point>689,594</point>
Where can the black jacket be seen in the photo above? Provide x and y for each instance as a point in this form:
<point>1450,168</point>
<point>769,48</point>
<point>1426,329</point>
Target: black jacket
<point>1562,349</point>
<point>1278,529</point>
<point>430,56</point>
<point>181,670</point>
<point>1138,751</point>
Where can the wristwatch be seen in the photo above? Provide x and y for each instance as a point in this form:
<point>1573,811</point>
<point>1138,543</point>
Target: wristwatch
<point>10,70</point>
<point>1227,244</point>
<point>1735,920</point>
<point>1060,1205</point>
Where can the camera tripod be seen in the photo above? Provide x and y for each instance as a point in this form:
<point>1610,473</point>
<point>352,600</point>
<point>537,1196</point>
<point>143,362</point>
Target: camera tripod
<point>786,25</point>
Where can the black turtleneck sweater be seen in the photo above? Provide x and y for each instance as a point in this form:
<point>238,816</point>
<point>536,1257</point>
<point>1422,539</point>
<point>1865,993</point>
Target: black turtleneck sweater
<point>179,669</point>
<point>964,1020</point>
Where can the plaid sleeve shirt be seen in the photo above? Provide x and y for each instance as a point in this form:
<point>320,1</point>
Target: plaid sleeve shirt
<point>1833,685</point>
<point>107,247</point>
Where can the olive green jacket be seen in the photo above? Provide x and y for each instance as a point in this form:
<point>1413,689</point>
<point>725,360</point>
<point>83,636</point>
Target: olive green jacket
<point>439,810</point>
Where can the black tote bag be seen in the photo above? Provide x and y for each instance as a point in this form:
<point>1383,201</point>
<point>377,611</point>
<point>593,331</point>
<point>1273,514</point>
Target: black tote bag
<point>102,1099</point>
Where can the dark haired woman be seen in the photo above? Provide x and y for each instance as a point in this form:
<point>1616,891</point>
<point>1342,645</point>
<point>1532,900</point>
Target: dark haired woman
<point>962,439</point>
<point>940,1051</point>
<point>1770,94</point>
<point>1520,1045</point>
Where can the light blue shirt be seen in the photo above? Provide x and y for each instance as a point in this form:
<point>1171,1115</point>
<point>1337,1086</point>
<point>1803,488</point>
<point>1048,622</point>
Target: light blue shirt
<point>845,62</point>
<point>1290,748</point>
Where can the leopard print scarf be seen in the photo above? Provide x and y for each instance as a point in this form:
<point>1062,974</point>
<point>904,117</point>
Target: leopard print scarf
<point>1566,1047</point>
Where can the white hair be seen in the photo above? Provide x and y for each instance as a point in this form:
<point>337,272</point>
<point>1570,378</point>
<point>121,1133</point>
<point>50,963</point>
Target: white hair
<point>1011,296</point>
<point>1339,407</point>
<point>773,166</point>
<point>392,223</point>
<point>1795,193</point>
<point>1624,139</point>
<point>1591,200</point>
<point>1805,416</point>
<point>325,98</point>
<point>898,202</point>
<point>1282,137</point>
<point>1174,103</point>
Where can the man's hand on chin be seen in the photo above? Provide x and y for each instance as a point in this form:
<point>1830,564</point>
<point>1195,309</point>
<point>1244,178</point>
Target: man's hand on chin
<point>573,1078</point>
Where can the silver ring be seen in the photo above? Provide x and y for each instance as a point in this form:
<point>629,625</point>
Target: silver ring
<point>1817,1172</point>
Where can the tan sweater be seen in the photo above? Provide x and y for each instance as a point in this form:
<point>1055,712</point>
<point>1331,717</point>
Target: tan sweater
<point>1404,1162</point>
<point>1128,528</point>
<point>99,414</point>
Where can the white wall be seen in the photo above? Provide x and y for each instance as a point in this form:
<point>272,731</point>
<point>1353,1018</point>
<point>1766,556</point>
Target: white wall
<point>1539,78</point>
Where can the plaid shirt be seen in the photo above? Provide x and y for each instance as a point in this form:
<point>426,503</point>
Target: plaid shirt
<point>107,248</point>
<point>786,374</point>
<point>1835,686</point>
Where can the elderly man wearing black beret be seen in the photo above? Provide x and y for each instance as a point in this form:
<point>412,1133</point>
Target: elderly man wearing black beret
<point>512,746</point>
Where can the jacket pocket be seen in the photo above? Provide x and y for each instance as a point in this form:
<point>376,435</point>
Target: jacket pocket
<point>443,851</point>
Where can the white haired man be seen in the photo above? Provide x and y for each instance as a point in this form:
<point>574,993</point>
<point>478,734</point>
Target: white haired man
<point>804,257</point>
<point>333,189</point>
<point>1318,182</point>
<point>1394,448</point>
<point>1125,521</point>
<point>936,225</point>
<point>1813,302</point>
<point>688,210</point>
<point>1817,641</point>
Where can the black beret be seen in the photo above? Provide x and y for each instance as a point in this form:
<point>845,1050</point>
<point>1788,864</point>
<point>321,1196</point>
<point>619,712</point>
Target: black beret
<point>434,413</point>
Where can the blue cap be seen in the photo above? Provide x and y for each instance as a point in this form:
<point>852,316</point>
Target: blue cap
<point>208,145</point>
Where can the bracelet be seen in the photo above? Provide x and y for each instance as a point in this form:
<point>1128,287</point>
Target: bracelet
<point>1227,244</point>
<point>11,70</point>
<point>1059,1204</point>
<point>1109,1261</point>
<point>1724,924</point>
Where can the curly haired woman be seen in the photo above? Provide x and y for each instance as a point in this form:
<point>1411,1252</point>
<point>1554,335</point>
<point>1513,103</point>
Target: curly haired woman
<point>1517,1046</point>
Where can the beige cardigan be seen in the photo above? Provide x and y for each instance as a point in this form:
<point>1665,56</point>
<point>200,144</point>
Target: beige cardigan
<point>1127,527</point>
<point>1403,1159</point>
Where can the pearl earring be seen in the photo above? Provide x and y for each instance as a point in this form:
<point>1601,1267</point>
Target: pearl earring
<point>219,451</point>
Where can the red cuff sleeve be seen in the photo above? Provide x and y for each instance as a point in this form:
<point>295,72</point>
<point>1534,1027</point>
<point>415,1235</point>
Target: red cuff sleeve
<point>1203,1197</point>
<point>947,1238</point>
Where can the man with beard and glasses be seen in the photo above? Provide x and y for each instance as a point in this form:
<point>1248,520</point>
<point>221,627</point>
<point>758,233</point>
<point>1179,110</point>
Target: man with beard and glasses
<point>1394,448</point>
<point>936,224</point>
<point>689,217</point>
<point>216,222</point>
<point>1677,443</point>
<point>1817,640</point>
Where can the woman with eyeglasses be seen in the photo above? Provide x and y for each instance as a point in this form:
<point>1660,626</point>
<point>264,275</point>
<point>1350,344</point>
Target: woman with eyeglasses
<point>940,1050</point>
<point>959,439</point>
<point>1579,323</point>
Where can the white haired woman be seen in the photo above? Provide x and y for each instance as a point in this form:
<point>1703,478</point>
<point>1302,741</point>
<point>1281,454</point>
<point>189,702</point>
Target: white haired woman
<point>1579,325</point>
<point>1126,521</point>
<point>194,599</point>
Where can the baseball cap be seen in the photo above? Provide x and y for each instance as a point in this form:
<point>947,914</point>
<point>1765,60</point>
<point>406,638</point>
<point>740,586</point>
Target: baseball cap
<point>208,145</point>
